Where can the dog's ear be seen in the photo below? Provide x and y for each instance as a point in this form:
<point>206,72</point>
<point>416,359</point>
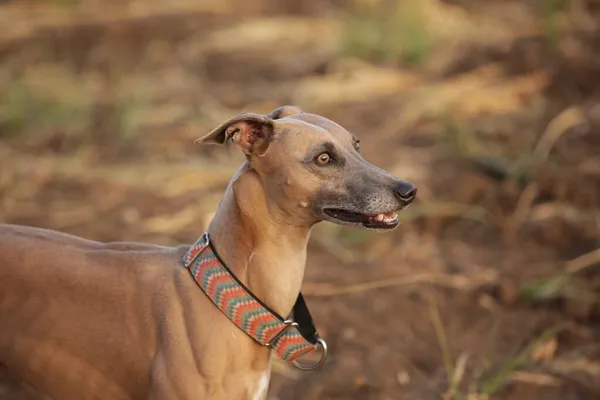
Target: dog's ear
<point>284,111</point>
<point>252,132</point>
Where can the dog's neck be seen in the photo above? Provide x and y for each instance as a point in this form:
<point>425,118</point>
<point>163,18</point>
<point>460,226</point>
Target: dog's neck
<point>253,239</point>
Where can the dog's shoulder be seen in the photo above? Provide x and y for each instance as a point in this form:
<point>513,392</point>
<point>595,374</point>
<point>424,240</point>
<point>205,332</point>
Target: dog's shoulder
<point>30,244</point>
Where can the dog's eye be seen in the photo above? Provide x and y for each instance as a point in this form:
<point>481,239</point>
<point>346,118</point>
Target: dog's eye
<point>323,158</point>
<point>357,145</point>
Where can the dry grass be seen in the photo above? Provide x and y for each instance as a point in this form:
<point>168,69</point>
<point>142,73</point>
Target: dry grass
<point>494,384</point>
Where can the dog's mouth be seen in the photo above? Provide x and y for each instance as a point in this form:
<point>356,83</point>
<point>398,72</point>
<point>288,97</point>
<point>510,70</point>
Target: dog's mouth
<point>374,221</point>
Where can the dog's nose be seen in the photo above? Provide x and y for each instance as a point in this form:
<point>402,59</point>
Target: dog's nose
<point>406,192</point>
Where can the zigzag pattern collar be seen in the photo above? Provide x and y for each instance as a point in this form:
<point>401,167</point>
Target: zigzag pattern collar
<point>289,338</point>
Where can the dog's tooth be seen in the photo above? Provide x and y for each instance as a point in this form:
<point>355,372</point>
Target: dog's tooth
<point>390,217</point>
<point>379,217</point>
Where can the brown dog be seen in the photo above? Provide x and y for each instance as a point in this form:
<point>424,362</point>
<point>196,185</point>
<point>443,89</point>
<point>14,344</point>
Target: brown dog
<point>86,320</point>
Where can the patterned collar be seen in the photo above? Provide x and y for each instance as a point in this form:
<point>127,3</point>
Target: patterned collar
<point>290,338</point>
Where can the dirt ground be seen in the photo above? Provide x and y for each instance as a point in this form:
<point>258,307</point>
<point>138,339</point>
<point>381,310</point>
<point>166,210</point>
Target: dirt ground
<point>488,290</point>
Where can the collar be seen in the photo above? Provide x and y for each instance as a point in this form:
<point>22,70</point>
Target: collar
<point>290,338</point>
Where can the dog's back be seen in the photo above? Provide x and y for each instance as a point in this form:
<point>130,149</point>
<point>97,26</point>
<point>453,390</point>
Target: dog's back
<point>44,274</point>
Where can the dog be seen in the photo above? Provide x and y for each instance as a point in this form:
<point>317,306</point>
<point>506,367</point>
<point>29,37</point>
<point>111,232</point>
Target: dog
<point>124,321</point>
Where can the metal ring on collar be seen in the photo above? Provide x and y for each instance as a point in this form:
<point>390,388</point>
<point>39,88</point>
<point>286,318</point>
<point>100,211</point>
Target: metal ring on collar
<point>323,345</point>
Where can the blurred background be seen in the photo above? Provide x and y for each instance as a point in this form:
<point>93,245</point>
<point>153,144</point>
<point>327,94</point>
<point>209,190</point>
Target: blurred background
<point>488,290</point>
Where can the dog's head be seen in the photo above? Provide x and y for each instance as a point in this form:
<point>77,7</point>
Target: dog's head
<point>312,168</point>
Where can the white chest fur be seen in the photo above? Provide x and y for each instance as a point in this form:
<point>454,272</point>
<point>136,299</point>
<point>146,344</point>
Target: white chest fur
<point>262,385</point>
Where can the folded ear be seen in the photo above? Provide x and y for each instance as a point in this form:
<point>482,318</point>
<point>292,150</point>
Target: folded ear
<point>284,111</point>
<point>252,132</point>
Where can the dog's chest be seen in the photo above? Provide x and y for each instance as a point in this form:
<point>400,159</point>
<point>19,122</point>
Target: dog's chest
<point>261,385</point>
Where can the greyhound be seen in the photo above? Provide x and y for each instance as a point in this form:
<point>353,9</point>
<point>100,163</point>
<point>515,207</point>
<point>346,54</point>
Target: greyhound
<point>83,320</point>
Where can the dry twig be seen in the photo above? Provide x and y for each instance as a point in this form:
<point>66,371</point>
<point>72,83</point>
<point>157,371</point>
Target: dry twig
<point>444,280</point>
